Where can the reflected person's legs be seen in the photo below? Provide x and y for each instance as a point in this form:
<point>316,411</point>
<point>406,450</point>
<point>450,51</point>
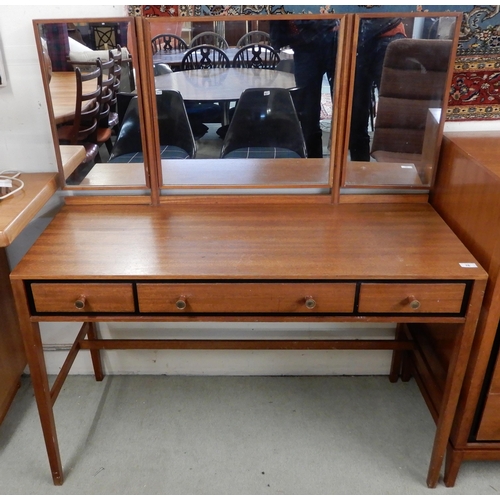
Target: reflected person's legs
<point>308,77</point>
<point>369,64</point>
<point>311,62</point>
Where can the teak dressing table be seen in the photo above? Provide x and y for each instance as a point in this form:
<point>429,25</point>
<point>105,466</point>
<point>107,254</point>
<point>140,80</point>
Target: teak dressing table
<point>216,262</point>
<point>332,256</point>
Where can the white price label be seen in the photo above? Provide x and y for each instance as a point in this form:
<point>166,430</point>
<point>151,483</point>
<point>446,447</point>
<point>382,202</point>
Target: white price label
<point>467,264</point>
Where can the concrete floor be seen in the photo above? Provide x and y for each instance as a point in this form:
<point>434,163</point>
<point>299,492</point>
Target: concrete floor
<point>231,435</point>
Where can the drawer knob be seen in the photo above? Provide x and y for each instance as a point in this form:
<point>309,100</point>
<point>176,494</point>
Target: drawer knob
<point>80,302</point>
<point>181,303</point>
<point>414,303</point>
<point>310,303</point>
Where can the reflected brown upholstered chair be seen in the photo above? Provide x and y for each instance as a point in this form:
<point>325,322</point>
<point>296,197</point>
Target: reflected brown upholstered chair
<point>413,81</point>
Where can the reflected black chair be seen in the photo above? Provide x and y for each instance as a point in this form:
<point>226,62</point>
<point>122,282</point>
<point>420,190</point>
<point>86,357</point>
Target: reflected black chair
<point>168,42</point>
<point>205,57</point>
<point>176,137</point>
<point>256,55</point>
<point>254,37</point>
<point>161,69</point>
<point>209,38</point>
<point>264,125</point>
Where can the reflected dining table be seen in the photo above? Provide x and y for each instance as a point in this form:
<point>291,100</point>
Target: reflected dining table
<point>222,85</point>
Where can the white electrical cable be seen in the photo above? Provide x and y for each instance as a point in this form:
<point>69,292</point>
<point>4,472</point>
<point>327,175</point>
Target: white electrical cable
<point>12,176</point>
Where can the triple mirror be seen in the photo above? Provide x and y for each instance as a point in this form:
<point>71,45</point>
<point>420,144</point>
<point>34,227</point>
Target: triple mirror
<point>255,102</point>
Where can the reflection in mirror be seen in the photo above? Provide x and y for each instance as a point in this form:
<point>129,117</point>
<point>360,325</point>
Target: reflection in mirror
<point>90,81</point>
<point>211,64</point>
<point>401,73</point>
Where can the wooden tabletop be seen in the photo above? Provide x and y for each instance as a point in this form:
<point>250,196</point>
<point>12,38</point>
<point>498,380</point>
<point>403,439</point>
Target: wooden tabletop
<point>222,84</point>
<point>71,157</point>
<point>63,94</point>
<point>18,210</point>
<point>261,241</point>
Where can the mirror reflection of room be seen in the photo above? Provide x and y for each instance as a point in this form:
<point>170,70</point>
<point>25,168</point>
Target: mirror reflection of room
<point>279,74</point>
<point>401,71</point>
<point>89,66</point>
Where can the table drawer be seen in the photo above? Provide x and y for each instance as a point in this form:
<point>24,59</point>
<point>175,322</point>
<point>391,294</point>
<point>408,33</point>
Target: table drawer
<point>246,297</point>
<point>83,297</point>
<point>417,298</point>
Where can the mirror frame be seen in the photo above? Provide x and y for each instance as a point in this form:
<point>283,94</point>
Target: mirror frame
<point>344,190</point>
<point>264,186</point>
<point>144,195</point>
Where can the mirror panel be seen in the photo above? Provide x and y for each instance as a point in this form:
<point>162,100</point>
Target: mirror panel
<point>281,136</point>
<point>91,147</point>
<point>402,71</point>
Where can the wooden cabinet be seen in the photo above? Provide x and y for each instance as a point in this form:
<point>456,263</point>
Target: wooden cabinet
<point>12,357</point>
<point>467,195</point>
<point>15,213</point>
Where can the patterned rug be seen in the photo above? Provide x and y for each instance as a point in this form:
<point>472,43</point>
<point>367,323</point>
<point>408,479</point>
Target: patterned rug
<point>475,89</point>
<point>326,106</point>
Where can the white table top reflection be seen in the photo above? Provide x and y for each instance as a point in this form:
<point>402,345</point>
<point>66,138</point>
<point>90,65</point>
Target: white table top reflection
<point>222,84</point>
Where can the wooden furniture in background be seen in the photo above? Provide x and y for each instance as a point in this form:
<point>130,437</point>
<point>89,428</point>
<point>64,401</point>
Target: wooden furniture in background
<point>251,262</point>
<point>467,195</point>
<point>15,214</point>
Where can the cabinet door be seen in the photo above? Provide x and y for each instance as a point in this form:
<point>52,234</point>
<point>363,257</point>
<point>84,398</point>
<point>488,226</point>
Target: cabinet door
<point>12,358</point>
<point>489,425</point>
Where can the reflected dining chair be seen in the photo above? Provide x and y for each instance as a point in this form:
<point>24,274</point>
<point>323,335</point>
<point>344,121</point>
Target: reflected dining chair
<point>209,38</point>
<point>168,42</point>
<point>264,125</point>
<point>205,57</point>
<point>83,128</point>
<point>116,56</point>
<point>175,135</point>
<point>254,37</point>
<point>256,55</point>
<point>104,130</point>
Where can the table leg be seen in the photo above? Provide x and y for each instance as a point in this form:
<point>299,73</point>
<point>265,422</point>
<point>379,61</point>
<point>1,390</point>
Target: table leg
<point>453,385</point>
<point>95,354</point>
<point>38,372</point>
<point>397,356</point>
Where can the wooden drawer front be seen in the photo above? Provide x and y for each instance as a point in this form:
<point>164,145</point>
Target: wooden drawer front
<point>246,297</point>
<point>422,298</point>
<point>97,297</point>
